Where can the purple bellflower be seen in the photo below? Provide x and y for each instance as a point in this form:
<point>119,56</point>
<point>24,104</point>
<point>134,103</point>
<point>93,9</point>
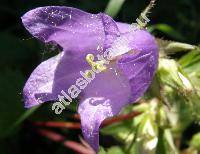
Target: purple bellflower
<point>123,81</point>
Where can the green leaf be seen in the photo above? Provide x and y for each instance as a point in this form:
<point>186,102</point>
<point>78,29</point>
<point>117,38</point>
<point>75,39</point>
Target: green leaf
<point>161,147</point>
<point>171,74</point>
<point>123,131</point>
<point>195,142</point>
<point>165,143</point>
<point>147,132</point>
<point>12,110</point>
<point>183,84</point>
<point>101,150</point>
<point>191,61</point>
<point>191,65</point>
<point>114,7</point>
<point>168,73</point>
<point>115,150</point>
<point>171,47</point>
<point>169,140</point>
<point>25,115</point>
<point>170,31</point>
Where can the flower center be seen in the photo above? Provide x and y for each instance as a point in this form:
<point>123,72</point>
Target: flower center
<point>95,65</point>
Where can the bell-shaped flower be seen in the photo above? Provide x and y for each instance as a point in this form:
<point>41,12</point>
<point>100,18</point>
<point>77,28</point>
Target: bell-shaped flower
<point>103,63</point>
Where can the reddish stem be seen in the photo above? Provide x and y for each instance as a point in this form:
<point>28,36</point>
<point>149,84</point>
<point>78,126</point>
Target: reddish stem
<point>120,118</point>
<point>76,125</point>
<point>72,125</point>
<point>69,144</point>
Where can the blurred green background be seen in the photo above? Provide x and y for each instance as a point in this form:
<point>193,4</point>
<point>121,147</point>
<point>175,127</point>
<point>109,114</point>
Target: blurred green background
<point>20,53</point>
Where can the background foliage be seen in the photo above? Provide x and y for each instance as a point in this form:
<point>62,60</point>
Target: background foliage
<point>173,115</point>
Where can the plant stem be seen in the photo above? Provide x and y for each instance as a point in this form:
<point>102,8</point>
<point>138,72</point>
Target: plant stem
<point>77,125</point>
<point>69,144</point>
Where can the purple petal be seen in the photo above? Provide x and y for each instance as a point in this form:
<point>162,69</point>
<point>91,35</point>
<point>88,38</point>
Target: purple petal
<point>75,30</point>
<point>123,27</point>
<point>79,33</point>
<point>139,66</point>
<point>104,97</point>
<point>40,81</point>
<point>50,77</point>
<point>119,85</point>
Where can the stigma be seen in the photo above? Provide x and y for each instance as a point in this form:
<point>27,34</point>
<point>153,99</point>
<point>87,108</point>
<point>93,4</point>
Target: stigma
<point>95,65</point>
